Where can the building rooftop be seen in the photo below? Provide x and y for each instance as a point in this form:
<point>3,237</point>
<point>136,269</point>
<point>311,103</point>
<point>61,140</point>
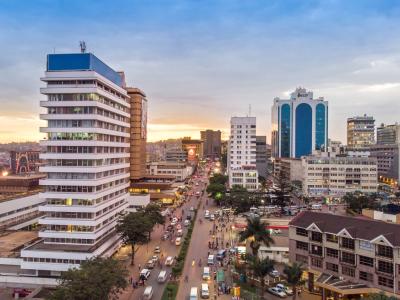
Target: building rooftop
<point>359,228</point>
<point>82,62</point>
<point>12,242</point>
<point>9,197</point>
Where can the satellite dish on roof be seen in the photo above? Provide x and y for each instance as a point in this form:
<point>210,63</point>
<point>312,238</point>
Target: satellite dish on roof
<point>82,44</point>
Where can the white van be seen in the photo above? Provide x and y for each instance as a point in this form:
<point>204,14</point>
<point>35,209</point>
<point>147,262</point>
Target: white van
<point>148,293</point>
<point>179,232</point>
<point>162,276</point>
<point>316,207</point>
<point>193,293</point>
<point>205,293</point>
<point>210,260</point>
<point>206,273</point>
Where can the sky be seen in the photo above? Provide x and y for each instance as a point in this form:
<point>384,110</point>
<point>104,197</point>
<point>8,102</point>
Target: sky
<point>201,62</point>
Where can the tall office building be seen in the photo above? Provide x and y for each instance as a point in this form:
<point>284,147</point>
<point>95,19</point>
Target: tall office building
<point>261,155</point>
<point>388,134</point>
<point>299,124</point>
<point>211,143</point>
<point>86,162</point>
<point>242,168</point>
<point>138,133</point>
<point>360,132</point>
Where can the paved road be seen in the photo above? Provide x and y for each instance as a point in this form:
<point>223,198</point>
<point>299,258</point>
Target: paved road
<point>168,248</point>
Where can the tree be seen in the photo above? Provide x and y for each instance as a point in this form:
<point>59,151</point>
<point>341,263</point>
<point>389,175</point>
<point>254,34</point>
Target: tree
<point>380,296</point>
<point>263,182</point>
<point>260,269</point>
<point>284,188</point>
<point>96,279</point>
<point>219,178</point>
<point>258,233</point>
<point>134,228</point>
<point>153,212</point>
<point>215,189</point>
<point>293,274</point>
<point>357,201</point>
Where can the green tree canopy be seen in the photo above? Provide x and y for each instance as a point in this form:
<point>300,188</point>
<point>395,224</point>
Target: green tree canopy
<point>153,212</point>
<point>134,229</point>
<point>219,178</point>
<point>293,274</point>
<point>96,279</point>
<point>260,268</point>
<point>357,201</point>
<point>380,296</point>
<point>258,233</point>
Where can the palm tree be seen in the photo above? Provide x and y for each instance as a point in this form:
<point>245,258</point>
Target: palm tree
<point>293,276</point>
<point>260,268</point>
<point>258,232</point>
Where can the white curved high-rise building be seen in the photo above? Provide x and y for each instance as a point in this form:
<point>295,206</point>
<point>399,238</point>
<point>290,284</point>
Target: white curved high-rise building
<point>87,163</point>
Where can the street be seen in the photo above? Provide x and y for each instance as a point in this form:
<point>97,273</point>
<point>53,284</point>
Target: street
<point>168,248</point>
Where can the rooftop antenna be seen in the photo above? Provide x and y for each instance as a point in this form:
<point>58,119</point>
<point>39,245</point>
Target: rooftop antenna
<point>82,44</point>
<point>249,110</point>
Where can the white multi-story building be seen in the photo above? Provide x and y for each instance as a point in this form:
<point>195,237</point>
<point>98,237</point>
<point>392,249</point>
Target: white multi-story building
<point>87,163</point>
<point>329,174</point>
<point>180,170</point>
<point>242,146</point>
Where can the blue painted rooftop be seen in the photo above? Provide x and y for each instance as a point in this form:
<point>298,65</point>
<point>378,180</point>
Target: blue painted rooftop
<point>82,62</point>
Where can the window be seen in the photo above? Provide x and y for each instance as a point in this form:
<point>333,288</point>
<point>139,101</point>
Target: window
<point>366,261</point>
<point>316,250</point>
<point>316,262</point>
<point>316,236</point>
<point>331,238</point>
<point>348,258</point>
<point>383,281</point>
<point>301,245</point>
<point>366,276</point>
<point>332,252</point>
<point>332,267</point>
<point>348,271</point>
<point>385,251</point>
<point>302,259</point>
<point>386,267</point>
<point>347,243</point>
<point>301,231</point>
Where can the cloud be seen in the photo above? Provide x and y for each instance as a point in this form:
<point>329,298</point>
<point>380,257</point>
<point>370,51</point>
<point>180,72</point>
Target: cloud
<point>379,87</point>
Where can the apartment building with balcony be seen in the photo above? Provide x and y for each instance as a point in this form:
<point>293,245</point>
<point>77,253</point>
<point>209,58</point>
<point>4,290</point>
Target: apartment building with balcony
<point>346,256</point>
<point>86,163</point>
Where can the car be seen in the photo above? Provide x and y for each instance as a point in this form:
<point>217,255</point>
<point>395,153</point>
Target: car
<point>212,217</point>
<point>150,264</point>
<point>186,223</point>
<point>277,292</point>
<point>144,274</point>
<point>197,183</point>
<point>274,273</point>
<point>188,217</point>
<point>20,292</point>
<point>206,214</point>
<point>173,223</point>
<point>221,254</point>
<point>178,241</point>
<point>191,208</point>
<point>155,258</point>
<point>197,193</point>
<point>166,236</point>
<point>169,261</point>
<point>157,249</point>
<point>287,290</point>
<point>179,232</point>
<point>175,219</point>
<point>178,226</point>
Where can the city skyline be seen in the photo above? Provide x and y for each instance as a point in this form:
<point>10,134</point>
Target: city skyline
<point>225,58</point>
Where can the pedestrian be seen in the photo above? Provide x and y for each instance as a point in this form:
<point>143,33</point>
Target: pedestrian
<point>130,280</point>
<point>140,267</point>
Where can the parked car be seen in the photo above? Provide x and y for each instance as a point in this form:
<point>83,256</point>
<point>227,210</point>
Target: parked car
<point>178,241</point>
<point>287,290</point>
<point>178,226</point>
<point>191,208</point>
<point>277,292</point>
<point>169,261</point>
<point>274,273</point>
<point>157,249</point>
<point>144,274</point>
<point>179,232</point>
<point>212,217</point>
<point>155,258</point>
<point>186,223</point>
<point>22,293</point>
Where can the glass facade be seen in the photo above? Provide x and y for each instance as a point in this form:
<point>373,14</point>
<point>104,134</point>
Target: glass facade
<point>319,126</point>
<point>285,131</point>
<point>303,130</point>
